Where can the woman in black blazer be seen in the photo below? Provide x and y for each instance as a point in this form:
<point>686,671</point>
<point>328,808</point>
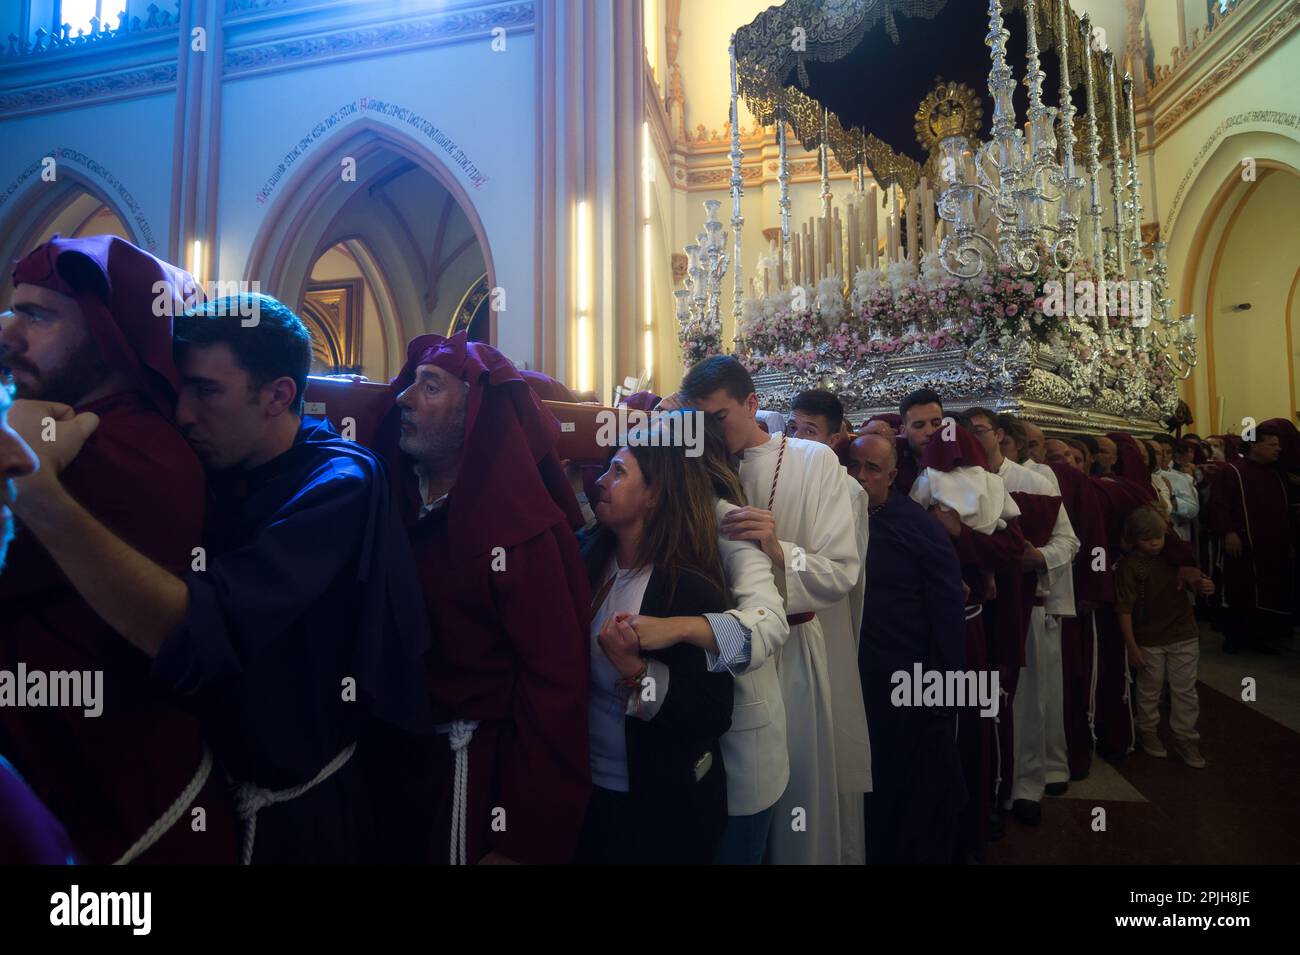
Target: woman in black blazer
<point>659,787</point>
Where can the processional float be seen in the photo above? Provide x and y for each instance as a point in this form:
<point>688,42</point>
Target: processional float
<point>999,265</point>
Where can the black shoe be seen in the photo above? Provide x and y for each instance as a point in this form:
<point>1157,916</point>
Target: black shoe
<point>1057,789</point>
<point>997,827</point>
<point>1027,812</point>
<point>1112,756</point>
<point>1079,777</point>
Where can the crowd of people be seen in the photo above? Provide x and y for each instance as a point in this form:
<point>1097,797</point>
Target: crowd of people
<point>795,643</point>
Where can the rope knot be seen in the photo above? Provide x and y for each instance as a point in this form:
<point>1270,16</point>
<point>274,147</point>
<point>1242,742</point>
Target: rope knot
<point>462,731</point>
<point>250,799</point>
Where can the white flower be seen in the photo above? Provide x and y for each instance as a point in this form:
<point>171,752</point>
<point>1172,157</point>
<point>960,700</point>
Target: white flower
<point>932,271</point>
<point>865,282</point>
<point>830,302</point>
<point>899,275</point>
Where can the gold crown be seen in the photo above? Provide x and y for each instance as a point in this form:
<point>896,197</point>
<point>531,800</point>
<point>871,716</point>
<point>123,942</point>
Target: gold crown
<point>950,109</point>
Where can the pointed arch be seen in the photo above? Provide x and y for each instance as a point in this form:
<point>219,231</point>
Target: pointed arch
<point>296,223</point>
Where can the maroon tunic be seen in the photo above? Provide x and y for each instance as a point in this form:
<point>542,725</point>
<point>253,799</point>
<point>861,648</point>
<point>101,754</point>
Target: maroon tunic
<point>1077,644</point>
<point>509,607</point>
<point>108,778</point>
<point>1250,500</point>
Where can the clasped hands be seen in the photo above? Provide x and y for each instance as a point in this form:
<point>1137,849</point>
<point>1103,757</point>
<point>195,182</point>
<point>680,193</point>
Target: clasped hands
<point>56,433</point>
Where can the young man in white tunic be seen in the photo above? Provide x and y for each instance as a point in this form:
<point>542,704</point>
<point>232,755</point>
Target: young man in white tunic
<point>1038,707</point>
<point>819,416</point>
<point>802,517</point>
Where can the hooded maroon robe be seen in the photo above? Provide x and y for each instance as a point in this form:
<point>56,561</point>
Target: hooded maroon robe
<point>1251,500</point>
<point>510,647</point>
<point>110,777</point>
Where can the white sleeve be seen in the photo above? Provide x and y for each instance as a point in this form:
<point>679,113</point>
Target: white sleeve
<point>1060,549</point>
<point>759,607</point>
<point>822,568</point>
<point>1189,504</point>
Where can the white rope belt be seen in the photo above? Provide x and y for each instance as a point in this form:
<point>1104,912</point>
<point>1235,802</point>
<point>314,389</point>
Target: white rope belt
<point>459,733</point>
<point>1092,686</point>
<point>173,812</point>
<point>974,611</point>
<point>250,799</point>
<point>997,745</point>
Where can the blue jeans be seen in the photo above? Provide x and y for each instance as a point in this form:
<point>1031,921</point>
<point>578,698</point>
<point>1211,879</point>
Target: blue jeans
<point>744,841</point>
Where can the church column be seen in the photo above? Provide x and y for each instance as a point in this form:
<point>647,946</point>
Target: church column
<point>196,146</point>
<point>589,108</point>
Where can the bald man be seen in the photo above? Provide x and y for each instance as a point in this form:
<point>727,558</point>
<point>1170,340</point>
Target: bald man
<point>1059,452</point>
<point>878,427</point>
<point>1035,448</point>
<point>1103,462</point>
<point>912,614</point>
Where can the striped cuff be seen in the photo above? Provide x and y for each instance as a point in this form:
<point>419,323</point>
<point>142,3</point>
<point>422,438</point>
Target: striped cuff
<point>733,644</point>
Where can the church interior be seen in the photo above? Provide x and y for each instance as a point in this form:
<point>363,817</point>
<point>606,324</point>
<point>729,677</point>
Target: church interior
<point>610,191</point>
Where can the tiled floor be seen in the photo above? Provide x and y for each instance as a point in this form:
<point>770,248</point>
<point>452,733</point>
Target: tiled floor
<point>1243,808</point>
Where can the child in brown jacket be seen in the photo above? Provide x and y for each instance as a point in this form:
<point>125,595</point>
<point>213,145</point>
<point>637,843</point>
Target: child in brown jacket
<point>1161,635</point>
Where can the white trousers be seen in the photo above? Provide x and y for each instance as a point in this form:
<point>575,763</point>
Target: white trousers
<point>1056,753</point>
<point>1039,712</point>
<point>1176,663</point>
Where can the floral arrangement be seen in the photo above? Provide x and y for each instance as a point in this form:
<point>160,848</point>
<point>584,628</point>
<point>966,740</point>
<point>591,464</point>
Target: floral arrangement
<point>699,339</point>
<point>828,330</point>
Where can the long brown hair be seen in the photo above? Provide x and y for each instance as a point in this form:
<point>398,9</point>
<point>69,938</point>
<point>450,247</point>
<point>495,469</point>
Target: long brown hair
<point>680,530</point>
<point>719,464</point>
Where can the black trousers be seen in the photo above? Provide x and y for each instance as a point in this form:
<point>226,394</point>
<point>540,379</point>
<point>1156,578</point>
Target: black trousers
<point>918,791</point>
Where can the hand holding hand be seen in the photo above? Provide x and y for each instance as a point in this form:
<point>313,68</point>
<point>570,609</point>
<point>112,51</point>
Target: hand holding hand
<point>35,421</point>
<point>949,518</point>
<point>653,633</point>
<point>754,524</point>
<point>618,642</point>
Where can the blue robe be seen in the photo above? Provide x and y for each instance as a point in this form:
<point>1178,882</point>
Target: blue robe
<point>309,584</point>
<point>913,612</point>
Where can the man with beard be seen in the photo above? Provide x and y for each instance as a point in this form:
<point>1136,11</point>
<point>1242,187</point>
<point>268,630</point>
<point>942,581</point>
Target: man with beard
<point>492,519</point>
<point>296,633</point>
<point>89,341</point>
